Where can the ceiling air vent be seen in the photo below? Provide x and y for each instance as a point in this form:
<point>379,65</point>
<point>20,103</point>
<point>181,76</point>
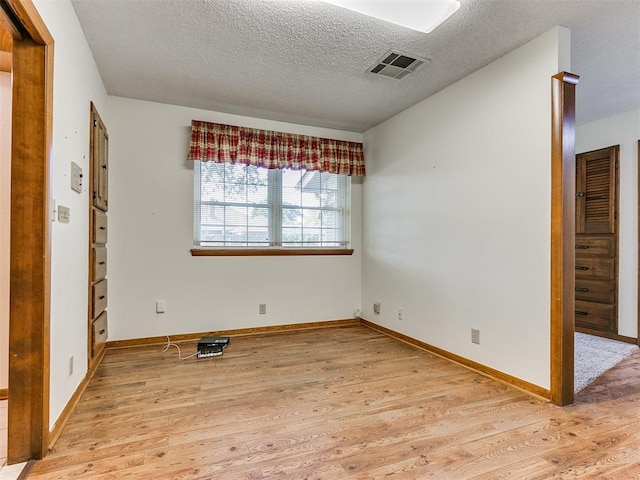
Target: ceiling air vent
<point>397,65</point>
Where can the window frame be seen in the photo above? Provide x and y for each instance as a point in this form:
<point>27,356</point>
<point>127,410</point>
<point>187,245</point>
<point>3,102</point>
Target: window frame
<point>275,248</point>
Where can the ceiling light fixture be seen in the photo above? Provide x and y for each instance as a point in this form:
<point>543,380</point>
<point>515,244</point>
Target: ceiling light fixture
<point>421,15</point>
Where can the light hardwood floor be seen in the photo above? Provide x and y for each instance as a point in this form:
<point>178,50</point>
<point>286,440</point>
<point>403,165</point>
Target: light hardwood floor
<point>341,403</point>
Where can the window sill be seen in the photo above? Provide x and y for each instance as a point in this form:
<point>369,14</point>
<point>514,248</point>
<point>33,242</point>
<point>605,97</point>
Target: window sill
<point>256,252</point>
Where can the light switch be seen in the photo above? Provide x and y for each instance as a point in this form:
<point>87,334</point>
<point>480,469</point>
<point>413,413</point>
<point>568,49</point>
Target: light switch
<point>76,177</point>
<point>64,214</point>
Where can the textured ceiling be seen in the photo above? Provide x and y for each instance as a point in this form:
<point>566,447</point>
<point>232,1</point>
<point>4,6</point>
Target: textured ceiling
<point>306,61</point>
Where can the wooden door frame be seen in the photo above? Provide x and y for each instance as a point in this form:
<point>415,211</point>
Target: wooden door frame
<point>30,265</point>
<point>563,174</point>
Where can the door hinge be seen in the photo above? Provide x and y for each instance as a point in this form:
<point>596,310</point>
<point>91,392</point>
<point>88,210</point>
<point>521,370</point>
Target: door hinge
<point>579,194</point>
<point>95,123</point>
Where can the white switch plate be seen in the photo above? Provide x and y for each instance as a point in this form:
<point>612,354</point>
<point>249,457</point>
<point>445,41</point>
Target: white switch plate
<point>76,177</point>
<point>64,214</point>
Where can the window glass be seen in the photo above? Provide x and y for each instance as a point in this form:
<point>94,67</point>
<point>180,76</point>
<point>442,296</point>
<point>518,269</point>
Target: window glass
<point>245,206</point>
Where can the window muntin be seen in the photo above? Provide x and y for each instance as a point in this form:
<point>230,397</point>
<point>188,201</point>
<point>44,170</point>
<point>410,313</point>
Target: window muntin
<point>246,206</point>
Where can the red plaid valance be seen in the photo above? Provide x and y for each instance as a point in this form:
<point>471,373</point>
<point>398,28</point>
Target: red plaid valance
<point>215,142</point>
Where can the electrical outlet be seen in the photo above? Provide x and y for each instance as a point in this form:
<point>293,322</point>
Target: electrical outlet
<point>262,309</point>
<point>71,365</point>
<point>400,314</point>
<point>475,336</point>
<point>356,313</point>
<point>161,306</point>
<point>376,308</point>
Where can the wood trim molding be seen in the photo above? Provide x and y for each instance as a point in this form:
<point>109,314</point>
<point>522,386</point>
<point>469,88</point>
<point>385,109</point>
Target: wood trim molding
<point>465,362</point>
<point>5,62</point>
<point>30,265</point>
<point>4,393</point>
<point>6,47</point>
<point>7,25</point>
<point>55,432</point>
<point>30,254</point>
<point>563,172</point>
<point>6,39</point>
<point>189,337</point>
<point>31,21</point>
<point>256,252</point>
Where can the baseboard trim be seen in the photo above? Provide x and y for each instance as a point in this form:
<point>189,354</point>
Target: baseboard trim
<point>465,362</point>
<point>55,432</point>
<point>610,336</point>
<point>189,337</point>
<point>4,393</point>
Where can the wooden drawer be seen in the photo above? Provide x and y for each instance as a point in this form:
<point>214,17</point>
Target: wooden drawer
<point>595,245</point>
<point>100,333</point>
<point>99,227</point>
<point>595,290</point>
<point>98,263</point>
<point>596,316</point>
<point>99,292</point>
<point>595,267</point>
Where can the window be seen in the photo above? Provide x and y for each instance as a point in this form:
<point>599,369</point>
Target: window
<point>239,205</point>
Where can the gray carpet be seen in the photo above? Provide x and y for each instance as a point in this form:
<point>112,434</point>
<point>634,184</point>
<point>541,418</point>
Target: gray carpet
<point>596,355</point>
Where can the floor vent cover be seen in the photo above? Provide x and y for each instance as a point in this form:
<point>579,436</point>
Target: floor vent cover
<point>397,65</point>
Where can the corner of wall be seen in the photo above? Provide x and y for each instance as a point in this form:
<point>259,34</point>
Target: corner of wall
<point>77,82</point>
<point>449,215</point>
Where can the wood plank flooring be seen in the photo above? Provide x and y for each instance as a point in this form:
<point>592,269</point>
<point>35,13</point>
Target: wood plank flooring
<point>340,403</point>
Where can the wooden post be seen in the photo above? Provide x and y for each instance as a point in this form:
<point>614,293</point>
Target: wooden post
<point>563,172</point>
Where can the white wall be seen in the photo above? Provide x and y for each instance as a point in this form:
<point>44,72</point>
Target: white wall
<point>456,222</point>
<point>623,130</point>
<point>76,83</point>
<point>151,232</point>
<point>5,222</point>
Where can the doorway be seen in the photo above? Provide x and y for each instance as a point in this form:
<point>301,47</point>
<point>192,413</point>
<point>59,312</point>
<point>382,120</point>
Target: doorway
<point>596,249</point>
<point>30,264</point>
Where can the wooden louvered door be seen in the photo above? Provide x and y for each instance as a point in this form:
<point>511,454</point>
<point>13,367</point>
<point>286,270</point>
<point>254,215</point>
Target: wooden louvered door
<point>597,181</point>
<point>596,191</point>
